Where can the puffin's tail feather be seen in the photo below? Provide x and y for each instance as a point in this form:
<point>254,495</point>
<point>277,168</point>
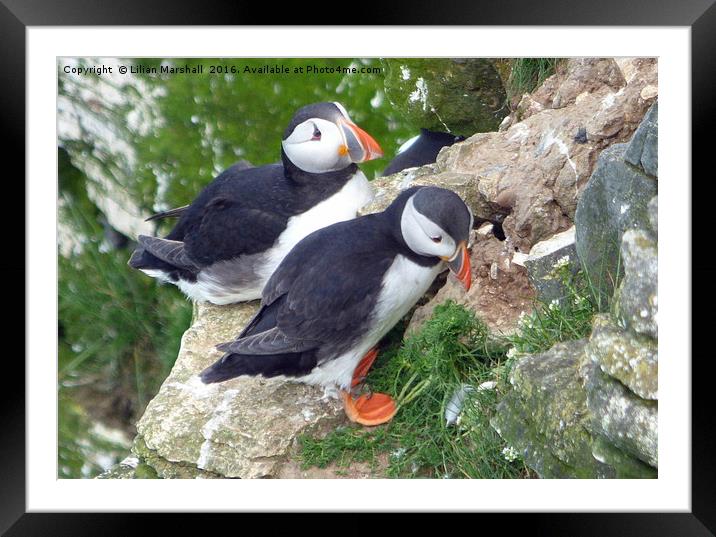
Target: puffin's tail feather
<point>171,213</point>
<point>141,259</point>
<point>272,365</point>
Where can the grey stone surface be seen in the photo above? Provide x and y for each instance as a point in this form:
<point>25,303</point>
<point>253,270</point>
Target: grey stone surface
<point>625,356</point>
<point>614,200</point>
<point>653,209</point>
<point>545,261</point>
<point>637,299</point>
<point>644,146</point>
<point>544,414</point>
<point>622,464</point>
<point>629,422</point>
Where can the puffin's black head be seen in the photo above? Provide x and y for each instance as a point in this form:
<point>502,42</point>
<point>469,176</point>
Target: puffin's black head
<point>436,222</point>
<point>322,138</point>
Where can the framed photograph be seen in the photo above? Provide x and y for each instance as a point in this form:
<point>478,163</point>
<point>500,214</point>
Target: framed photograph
<point>216,212</point>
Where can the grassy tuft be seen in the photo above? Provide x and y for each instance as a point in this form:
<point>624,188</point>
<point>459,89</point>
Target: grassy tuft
<point>452,350</point>
<point>559,320</point>
<point>526,74</point>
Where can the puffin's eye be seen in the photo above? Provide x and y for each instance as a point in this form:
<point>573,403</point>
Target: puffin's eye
<point>316,134</point>
<point>436,239</point>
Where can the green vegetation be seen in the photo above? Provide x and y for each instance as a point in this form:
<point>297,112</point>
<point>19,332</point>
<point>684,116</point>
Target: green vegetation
<point>526,74</point>
<point>453,349</point>
<point>119,335</point>
<point>559,320</point>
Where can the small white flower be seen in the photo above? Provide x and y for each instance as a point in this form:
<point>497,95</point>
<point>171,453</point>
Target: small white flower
<point>512,352</point>
<point>510,454</point>
<point>562,262</point>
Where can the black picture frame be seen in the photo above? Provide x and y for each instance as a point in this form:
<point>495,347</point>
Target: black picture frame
<point>17,15</point>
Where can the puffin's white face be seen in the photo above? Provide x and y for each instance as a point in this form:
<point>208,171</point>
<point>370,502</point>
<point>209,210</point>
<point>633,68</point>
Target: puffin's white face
<point>319,146</point>
<point>315,147</point>
<point>425,237</point>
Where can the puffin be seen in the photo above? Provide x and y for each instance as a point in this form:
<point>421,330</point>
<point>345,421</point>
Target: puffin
<point>420,150</point>
<point>230,239</point>
<point>341,289</point>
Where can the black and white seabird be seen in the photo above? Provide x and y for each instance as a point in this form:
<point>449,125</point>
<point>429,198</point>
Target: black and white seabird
<point>342,288</point>
<point>421,150</point>
<point>230,239</point>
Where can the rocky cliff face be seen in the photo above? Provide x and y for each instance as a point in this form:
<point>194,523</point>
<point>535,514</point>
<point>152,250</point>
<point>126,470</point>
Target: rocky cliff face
<point>586,408</point>
<point>590,408</point>
<point>527,178</point>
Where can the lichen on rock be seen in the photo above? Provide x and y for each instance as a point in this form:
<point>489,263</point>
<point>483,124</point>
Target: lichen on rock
<point>543,415</point>
<point>631,359</point>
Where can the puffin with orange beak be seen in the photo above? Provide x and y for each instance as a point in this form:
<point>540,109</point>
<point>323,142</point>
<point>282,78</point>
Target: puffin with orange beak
<point>342,288</point>
<point>231,238</point>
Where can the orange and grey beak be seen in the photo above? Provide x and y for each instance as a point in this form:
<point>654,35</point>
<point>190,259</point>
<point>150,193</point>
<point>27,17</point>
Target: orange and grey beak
<point>360,145</point>
<point>460,265</point>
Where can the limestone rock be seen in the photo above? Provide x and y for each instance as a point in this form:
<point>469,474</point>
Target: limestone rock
<point>463,96</point>
<point>625,419</point>
<point>637,299</point>
<point>587,75</point>
<point>644,145</point>
<point>544,414</point>
<point>613,201</point>
<point>631,359</point>
<point>244,427</point>
<point>545,259</point>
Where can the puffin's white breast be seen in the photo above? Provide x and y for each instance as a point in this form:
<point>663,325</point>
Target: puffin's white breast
<point>404,283</point>
<point>341,206</point>
<point>216,283</point>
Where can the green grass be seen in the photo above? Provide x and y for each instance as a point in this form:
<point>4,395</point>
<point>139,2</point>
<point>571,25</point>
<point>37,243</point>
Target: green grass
<point>452,349</point>
<point>526,74</point>
<point>120,335</point>
<point>549,323</point>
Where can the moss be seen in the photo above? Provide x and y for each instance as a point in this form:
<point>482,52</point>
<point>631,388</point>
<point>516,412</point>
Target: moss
<point>462,96</point>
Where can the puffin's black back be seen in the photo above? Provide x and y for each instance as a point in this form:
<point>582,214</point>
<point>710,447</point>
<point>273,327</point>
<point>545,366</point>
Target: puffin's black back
<point>242,212</point>
<point>423,151</point>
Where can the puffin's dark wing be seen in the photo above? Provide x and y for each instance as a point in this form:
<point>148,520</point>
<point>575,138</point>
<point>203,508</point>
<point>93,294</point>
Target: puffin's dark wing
<point>172,252</point>
<point>232,171</point>
<point>331,281</point>
<point>228,229</point>
<point>272,341</point>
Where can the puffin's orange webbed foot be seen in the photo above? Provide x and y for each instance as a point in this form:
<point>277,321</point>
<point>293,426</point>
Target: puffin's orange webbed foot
<point>370,409</point>
<point>361,370</point>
